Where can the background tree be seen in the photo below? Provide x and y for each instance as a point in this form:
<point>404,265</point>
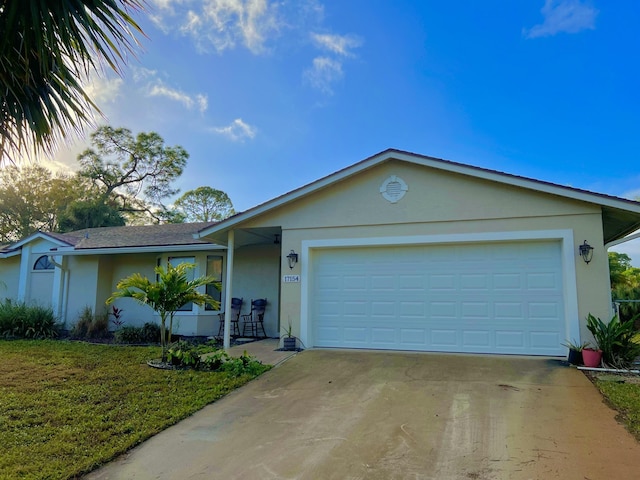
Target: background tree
<point>31,199</point>
<point>89,213</point>
<point>625,284</point>
<point>135,173</point>
<point>48,49</point>
<point>171,291</point>
<point>204,204</point>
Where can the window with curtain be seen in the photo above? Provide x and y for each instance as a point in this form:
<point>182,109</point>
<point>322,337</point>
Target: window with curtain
<point>214,269</point>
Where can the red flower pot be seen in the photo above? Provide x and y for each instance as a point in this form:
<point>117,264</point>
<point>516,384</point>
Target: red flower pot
<point>591,358</point>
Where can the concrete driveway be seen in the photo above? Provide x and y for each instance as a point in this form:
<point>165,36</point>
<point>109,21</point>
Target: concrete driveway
<point>328,414</point>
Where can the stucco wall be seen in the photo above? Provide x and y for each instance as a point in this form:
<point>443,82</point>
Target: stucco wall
<point>437,204</point>
<point>9,274</point>
<point>256,275</point>
<point>432,196</point>
<point>83,281</point>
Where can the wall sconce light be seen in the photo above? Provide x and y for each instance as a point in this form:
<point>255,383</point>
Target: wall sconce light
<point>586,252</point>
<point>292,258</point>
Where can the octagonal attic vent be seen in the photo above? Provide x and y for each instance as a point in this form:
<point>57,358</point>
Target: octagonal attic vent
<point>393,189</point>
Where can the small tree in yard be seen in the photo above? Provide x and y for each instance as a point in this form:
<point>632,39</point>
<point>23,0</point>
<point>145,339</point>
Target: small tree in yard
<point>172,290</point>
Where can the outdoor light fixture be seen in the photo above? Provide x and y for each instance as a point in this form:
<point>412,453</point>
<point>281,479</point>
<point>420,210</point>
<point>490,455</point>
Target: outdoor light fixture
<point>292,258</point>
<point>586,252</point>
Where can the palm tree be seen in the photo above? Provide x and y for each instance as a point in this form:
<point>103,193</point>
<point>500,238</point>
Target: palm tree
<point>48,49</point>
<point>172,290</point>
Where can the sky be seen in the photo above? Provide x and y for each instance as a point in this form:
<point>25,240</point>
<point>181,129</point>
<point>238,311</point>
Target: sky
<point>267,96</point>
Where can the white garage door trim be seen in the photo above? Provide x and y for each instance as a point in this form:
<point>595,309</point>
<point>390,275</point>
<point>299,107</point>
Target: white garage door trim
<point>564,236</point>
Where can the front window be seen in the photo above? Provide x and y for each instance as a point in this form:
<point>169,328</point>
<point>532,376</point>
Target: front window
<point>214,269</point>
<point>43,263</point>
<point>175,261</point>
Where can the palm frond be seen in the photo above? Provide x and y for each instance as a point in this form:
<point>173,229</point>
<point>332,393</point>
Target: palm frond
<point>48,48</point>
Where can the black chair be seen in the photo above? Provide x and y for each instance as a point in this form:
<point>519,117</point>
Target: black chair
<point>254,320</point>
<point>236,307</point>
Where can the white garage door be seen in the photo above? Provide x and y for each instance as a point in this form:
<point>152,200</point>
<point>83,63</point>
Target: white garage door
<point>479,298</point>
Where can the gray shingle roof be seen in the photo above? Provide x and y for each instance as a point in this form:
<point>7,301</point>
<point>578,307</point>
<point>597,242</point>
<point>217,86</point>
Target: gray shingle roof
<point>134,236</point>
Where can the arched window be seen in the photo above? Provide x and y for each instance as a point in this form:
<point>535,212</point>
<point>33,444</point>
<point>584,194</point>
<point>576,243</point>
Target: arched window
<point>43,263</point>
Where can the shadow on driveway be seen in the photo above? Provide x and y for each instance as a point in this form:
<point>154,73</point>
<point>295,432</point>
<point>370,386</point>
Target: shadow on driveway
<point>335,414</point>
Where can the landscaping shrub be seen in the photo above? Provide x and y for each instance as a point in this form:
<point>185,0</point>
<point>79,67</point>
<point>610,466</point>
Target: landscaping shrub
<point>90,325</point>
<point>616,340</point>
<point>148,333</point>
<point>151,332</point>
<point>17,319</point>
<point>207,356</point>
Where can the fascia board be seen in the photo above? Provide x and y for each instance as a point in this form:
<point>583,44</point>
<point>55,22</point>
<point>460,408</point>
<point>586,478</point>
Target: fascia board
<point>41,235</point>
<point>153,249</point>
<point>444,165</point>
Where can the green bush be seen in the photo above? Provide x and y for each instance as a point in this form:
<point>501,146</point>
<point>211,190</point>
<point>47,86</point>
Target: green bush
<point>90,325</point>
<point>17,319</point>
<point>148,333</point>
<point>151,332</point>
<point>208,357</point>
<point>616,340</point>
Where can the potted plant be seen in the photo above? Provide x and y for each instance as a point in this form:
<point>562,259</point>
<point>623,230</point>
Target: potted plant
<point>289,340</point>
<point>591,357</point>
<point>575,351</point>
<point>615,341</point>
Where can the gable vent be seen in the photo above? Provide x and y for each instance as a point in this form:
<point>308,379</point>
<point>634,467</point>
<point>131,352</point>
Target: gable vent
<point>393,189</point>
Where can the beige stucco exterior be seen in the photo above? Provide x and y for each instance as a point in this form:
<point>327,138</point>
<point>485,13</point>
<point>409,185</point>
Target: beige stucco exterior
<point>443,204</point>
<point>438,207</point>
<point>9,275</point>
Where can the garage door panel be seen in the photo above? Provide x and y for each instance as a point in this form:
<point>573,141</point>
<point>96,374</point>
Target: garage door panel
<point>503,298</point>
<point>477,338</point>
<point>444,338</point>
<point>509,340</point>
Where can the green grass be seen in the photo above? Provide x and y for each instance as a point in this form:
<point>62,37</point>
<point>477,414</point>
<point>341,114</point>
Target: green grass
<point>67,407</point>
<point>625,398</point>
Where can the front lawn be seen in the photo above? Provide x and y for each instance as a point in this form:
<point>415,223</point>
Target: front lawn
<point>67,407</point>
<point>623,394</point>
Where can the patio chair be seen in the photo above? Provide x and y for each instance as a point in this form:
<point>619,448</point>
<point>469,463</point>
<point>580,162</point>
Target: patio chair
<point>254,320</point>
<point>236,307</point>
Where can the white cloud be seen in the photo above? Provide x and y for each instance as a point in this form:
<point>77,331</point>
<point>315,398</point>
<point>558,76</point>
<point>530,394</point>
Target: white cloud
<point>103,90</point>
<point>338,44</point>
<point>221,24</point>
<point>327,70</point>
<point>568,16</point>
<point>140,73</point>
<point>198,101</point>
<point>324,73</point>
<point>236,130</point>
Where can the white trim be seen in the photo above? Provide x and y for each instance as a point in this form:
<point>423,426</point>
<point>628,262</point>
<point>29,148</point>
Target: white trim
<point>40,235</point>
<point>435,163</point>
<point>227,290</point>
<point>564,236</point>
<point>628,238</point>
<point>151,249</point>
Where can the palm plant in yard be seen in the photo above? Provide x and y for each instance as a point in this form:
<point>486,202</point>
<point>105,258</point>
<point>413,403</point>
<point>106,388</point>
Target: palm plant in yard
<point>172,290</point>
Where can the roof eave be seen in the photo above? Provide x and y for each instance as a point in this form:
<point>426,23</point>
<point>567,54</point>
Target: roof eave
<point>146,249</point>
<point>440,164</point>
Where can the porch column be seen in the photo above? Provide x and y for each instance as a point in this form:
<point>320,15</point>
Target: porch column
<point>227,289</point>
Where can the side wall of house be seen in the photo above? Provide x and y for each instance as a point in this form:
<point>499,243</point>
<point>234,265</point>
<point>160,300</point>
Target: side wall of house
<point>9,276</point>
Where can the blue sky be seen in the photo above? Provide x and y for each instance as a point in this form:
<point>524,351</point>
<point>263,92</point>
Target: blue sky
<point>267,96</point>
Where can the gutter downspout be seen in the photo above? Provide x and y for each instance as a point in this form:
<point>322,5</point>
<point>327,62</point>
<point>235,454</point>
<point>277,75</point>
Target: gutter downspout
<point>227,289</point>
